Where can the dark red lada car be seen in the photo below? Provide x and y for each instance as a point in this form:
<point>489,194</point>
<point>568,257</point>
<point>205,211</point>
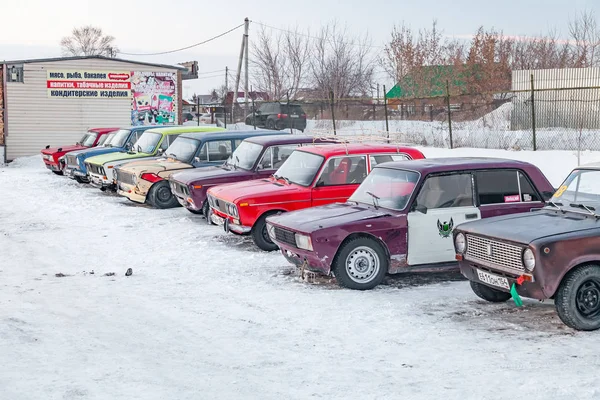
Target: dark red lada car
<point>311,176</point>
<point>254,158</point>
<point>52,156</point>
<point>402,217</point>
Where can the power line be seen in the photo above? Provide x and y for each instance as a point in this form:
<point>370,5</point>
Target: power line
<point>314,37</point>
<point>211,72</point>
<point>211,77</point>
<point>184,48</point>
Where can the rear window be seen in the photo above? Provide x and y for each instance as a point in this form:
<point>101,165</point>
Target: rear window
<point>291,109</point>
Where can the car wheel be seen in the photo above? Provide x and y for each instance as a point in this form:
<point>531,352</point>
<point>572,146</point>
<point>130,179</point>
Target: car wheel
<point>207,212</point>
<point>260,236</point>
<point>361,264</point>
<point>278,125</point>
<point>489,294</point>
<point>577,299</point>
<point>160,196</point>
<point>58,172</point>
<point>248,121</point>
<point>270,124</point>
<point>197,212</point>
<point>80,179</point>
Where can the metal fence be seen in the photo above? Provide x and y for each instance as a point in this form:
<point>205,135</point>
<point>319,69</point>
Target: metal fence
<point>525,119</point>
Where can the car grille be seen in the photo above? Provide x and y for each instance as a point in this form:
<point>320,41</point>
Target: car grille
<point>179,188</point>
<point>71,160</point>
<point>285,236</point>
<point>492,253</point>
<point>125,177</point>
<point>95,169</point>
<point>220,205</point>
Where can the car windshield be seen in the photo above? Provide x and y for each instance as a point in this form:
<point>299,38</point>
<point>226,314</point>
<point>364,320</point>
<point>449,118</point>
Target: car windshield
<point>120,138</point>
<point>105,139</point>
<point>300,168</point>
<point>88,139</point>
<point>147,142</point>
<point>183,149</point>
<point>292,109</point>
<point>386,187</point>
<point>580,190</point>
<point>245,155</point>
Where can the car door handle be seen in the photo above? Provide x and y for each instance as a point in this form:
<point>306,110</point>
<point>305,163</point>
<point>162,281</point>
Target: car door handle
<point>470,216</point>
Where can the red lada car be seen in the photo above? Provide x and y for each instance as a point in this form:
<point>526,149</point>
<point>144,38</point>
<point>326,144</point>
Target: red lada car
<point>53,156</point>
<point>311,176</point>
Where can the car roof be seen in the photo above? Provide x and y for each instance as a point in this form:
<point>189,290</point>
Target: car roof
<point>353,148</point>
<point>594,165</point>
<point>230,134</point>
<point>102,130</point>
<point>449,164</point>
<point>285,139</point>
<point>173,130</point>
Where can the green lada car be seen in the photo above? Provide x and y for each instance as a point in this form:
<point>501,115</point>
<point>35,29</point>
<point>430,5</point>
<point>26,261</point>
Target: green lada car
<point>151,144</point>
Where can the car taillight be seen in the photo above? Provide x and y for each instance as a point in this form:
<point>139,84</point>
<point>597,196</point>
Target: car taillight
<point>151,177</point>
<point>302,115</point>
<point>282,116</point>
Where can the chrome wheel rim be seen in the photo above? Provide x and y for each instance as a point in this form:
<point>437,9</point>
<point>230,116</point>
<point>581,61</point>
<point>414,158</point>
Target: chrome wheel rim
<point>362,264</point>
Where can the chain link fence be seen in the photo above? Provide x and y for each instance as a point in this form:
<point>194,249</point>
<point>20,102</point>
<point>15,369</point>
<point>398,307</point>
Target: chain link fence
<point>526,119</point>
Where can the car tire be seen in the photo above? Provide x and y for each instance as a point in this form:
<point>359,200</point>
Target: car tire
<point>489,294</point>
<point>248,121</point>
<point>260,235</point>
<point>207,212</point>
<point>160,196</point>
<point>278,125</point>
<point>360,250</point>
<point>80,179</point>
<point>270,124</point>
<point>577,299</point>
<point>57,172</point>
<point>197,212</point>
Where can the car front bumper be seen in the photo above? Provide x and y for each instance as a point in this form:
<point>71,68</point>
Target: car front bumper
<point>310,259</point>
<point>73,172</point>
<point>131,192</point>
<point>53,166</point>
<point>228,223</point>
<point>530,289</point>
<point>101,183</point>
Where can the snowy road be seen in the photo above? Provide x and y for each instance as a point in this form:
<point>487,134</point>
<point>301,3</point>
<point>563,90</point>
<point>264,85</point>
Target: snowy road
<point>205,316</point>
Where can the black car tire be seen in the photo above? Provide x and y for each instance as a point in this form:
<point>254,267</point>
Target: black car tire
<point>207,212</point>
<point>365,248</point>
<point>278,125</point>
<point>578,294</point>
<point>260,236</point>
<point>81,180</point>
<point>489,294</point>
<point>270,124</point>
<point>58,172</point>
<point>197,212</point>
<point>160,196</point>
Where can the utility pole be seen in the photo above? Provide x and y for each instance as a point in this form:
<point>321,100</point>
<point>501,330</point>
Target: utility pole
<point>246,29</point>
<point>226,95</point>
<point>239,68</point>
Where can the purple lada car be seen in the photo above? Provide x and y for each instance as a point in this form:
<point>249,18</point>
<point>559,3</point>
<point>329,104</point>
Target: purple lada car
<point>402,216</point>
<point>255,158</point>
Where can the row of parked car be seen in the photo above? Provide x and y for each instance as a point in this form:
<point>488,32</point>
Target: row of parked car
<point>360,211</point>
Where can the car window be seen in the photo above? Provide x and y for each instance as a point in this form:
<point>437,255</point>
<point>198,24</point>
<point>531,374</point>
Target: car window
<point>292,109</point>
<point>446,191</point>
<point>275,156</point>
<point>504,186</point>
<point>172,138</point>
<point>237,142</point>
<point>381,158</point>
<point>346,170</point>
<point>216,150</point>
<point>164,144</point>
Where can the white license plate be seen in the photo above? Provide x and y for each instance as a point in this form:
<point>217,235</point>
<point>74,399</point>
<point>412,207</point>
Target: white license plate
<point>493,280</point>
<point>295,116</point>
<point>217,220</point>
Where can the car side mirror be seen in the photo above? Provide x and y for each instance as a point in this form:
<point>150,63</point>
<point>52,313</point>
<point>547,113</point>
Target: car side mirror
<point>420,208</point>
<point>196,159</point>
<point>160,151</point>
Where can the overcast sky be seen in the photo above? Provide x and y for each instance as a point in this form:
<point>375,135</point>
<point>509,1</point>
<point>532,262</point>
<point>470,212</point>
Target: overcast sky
<point>33,28</point>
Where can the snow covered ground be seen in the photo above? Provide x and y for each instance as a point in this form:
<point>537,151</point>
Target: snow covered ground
<point>206,316</point>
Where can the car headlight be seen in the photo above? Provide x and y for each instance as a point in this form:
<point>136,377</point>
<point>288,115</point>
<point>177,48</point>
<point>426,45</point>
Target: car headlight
<point>271,231</point>
<point>232,210</point>
<point>303,242</point>
<point>529,260</point>
<point>460,243</point>
<point>114,171</point>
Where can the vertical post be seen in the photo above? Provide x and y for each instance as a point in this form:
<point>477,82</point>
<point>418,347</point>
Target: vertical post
<point>287,94</point>
<point>449,112</point>
<point>374,111</point>
<point>246,28</point>
<point>533,114</point>
<point>253,112</point>
<point>332,111</point>
<point>387,126</point>
<point>239,72</point>
<point>226,95</point>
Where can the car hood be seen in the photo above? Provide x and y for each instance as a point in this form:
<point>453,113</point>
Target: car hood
<point>63,149</point>
<point>313,219</point>
<point>203,175</point>
<point>527,227</point>
<point>106,158</point>
<point>154,166</point>
<point>260,191</point>
<point>96,151</point>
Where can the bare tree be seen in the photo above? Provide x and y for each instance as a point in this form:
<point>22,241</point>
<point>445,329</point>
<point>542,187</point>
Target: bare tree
<point>88,41</point>
<point>543,52</point>
<point>342,63</point>
<point>219,94</point>
<point>280,62</point>
<point>585,36</point>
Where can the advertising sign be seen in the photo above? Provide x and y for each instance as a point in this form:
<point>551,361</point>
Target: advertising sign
<point>153,98</point>
<point>88,84</point>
